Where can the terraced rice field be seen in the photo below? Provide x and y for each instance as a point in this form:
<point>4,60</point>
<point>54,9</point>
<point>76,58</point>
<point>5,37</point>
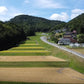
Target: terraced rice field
<point>27,49</point>
<point>30,62</point>
<point>29,58</point>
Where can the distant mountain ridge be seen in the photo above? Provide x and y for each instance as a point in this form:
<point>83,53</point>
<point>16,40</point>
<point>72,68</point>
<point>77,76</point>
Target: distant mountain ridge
<point>38,23</point>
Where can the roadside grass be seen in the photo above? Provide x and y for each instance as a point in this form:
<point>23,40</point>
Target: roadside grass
<point>76,63</point>
<point>76,49</point>
<point>35,64</point>
<point>79,50</point>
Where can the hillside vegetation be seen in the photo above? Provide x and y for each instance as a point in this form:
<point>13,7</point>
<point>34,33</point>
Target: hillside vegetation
<point>10,35</point>
<point>74,24</point>
<point>77,24</point>
<point>32,23</point>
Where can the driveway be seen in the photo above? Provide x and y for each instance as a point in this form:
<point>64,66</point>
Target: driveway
<point>43,38</point>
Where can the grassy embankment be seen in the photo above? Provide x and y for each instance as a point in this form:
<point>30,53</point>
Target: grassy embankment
<point>79,50</point>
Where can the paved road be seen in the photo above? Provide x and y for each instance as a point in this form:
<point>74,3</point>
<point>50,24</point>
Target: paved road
<point>43,38</point>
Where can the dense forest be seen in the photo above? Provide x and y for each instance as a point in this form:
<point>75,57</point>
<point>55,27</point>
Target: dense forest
<point>59,27</point>
<point>10,35</point>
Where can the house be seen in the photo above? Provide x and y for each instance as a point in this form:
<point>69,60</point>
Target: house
<point>64,41</point>
<point>57,31</point>
<point>71,36</point>
<point>67,35</point>
<point>60,30</point>
<point>68,38</point>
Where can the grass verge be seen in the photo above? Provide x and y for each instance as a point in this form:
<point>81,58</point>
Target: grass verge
<point>25,54</point>
<point>34,64</point>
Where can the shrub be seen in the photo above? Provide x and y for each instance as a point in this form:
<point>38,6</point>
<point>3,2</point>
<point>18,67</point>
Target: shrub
<point>80,38</point>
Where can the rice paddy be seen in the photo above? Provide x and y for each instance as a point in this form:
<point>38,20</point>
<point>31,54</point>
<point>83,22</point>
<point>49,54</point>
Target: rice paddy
<point>32,45</point>
<point>29,48</point>
<point>25,51</point>
<point>34,58</point>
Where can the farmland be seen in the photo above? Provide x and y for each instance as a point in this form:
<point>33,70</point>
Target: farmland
<point>35,62</point>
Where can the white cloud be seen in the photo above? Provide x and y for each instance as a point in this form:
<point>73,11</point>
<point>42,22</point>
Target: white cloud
<point>26,1</point>
<point>76,12</point>
<point>11,12</point>
<point>48,4</point>
<point>63,16</point>
<point>3,10</point>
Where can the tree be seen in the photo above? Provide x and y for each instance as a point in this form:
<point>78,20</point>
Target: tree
<point>80,38</point>
<point>10,35</point>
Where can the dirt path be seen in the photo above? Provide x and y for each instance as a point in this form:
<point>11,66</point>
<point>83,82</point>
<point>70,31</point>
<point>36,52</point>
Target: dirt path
<point>29,58</point>
<point>43,75</point>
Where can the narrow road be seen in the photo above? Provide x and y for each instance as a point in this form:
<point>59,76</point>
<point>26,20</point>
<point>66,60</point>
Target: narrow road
<point>43,38</point>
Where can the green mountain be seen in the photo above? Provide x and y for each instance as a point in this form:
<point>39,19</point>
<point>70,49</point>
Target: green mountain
<point>32,23</point>
<point>74,24</point>
<point>77,24</point>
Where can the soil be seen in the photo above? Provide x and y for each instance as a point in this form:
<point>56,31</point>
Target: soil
<point>29,58</point>
<point>43,75</point>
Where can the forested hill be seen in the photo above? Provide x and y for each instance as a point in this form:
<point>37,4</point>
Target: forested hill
<point>74,24</point>
<point>77,24</point>
<point>34,23</point>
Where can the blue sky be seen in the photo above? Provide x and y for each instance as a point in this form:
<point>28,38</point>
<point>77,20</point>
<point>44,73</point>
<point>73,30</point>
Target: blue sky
<point>63,10</point>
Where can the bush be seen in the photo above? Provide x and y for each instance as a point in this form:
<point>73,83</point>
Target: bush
<point>54,38</point>
<point>80,38</point>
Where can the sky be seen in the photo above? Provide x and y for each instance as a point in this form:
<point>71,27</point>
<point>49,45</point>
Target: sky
<point>63,10</point>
